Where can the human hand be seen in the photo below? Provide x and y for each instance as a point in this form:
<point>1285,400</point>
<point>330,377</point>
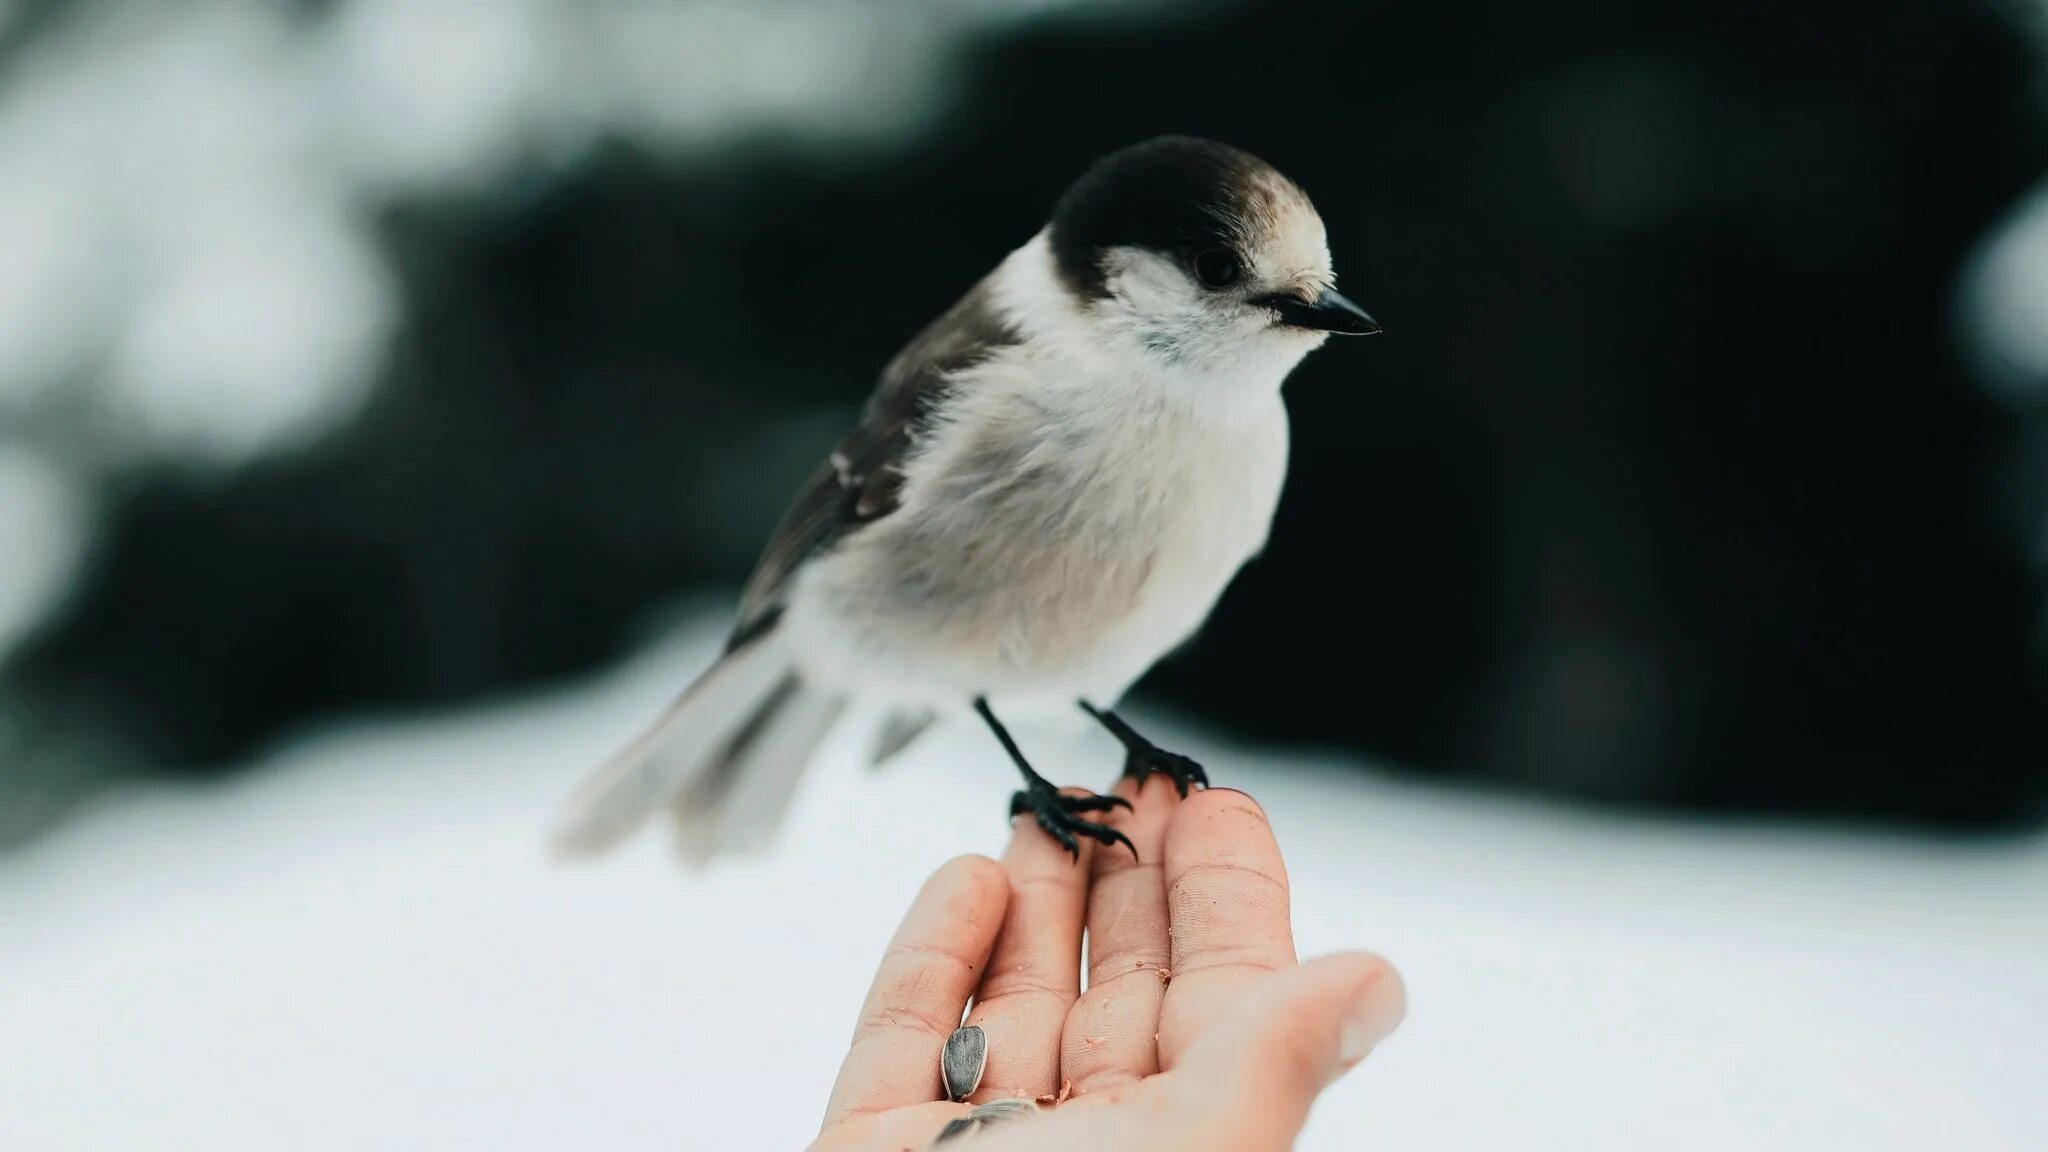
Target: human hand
<point>1197,1029</point>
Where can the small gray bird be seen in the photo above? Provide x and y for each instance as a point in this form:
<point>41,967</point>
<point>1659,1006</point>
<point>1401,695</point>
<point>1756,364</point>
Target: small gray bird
<point>1047,492</point>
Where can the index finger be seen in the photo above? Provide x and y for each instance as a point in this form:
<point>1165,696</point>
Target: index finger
<point>1227,912</point>
<point>920,990</point>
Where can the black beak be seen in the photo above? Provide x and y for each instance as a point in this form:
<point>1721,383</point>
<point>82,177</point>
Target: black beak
<point>1329,312</point>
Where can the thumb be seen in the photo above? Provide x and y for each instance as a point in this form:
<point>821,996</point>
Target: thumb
<point>1254,1074</point>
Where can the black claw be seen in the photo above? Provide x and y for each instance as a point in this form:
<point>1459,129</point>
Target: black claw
<point>1143,763</point>
<point>1110,836</point>
<point>1065,838</point>
<point>1056,814</point>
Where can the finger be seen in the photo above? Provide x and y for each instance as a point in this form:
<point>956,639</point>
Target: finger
<point>920,989</point>
<point>1251,1078</point>
<point>1109,1034</point>
<point>1035,973</point>
<point>1226,906</point>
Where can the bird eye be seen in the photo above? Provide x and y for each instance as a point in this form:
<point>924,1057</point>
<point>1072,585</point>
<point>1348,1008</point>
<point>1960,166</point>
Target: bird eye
<point>1216,268</point>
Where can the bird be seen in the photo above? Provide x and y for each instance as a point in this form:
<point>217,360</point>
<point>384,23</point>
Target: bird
<point>1046,492</point>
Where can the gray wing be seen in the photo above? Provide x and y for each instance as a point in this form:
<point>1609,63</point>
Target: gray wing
<point>860,482</point>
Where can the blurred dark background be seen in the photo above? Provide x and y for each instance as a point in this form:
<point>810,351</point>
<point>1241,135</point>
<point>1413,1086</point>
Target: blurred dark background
<point>1703,466</point>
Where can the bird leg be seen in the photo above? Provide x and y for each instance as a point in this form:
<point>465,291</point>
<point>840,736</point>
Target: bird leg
<point>1058,814</point>
<point>1142,758</point>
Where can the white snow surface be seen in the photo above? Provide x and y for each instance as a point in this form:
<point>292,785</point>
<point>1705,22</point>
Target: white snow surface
<point>360,943</point>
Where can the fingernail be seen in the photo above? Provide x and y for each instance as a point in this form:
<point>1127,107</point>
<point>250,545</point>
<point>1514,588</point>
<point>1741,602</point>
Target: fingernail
<point>1371,1016</point>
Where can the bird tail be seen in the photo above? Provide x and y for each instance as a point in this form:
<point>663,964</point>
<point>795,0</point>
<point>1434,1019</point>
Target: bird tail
<point>724,760</point>
<point>899,730</point>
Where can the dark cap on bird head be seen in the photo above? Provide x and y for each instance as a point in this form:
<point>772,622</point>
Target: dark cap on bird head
<point>1205,205</point>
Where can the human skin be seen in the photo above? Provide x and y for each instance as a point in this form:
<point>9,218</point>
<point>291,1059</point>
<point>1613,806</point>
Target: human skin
<point>1197,1030</point>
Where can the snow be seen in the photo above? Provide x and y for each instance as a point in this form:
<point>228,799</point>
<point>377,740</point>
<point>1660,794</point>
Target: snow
<point>360,943</point>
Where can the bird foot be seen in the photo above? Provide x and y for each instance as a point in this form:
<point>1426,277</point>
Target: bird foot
<point>1059,815</point>
<point>1146,760</point>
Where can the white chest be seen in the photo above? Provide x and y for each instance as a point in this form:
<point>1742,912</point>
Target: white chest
<point>1046,545</point>
<point>1215,486</point>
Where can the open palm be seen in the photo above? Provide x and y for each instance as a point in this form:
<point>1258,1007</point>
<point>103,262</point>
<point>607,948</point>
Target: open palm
<point>1196,1030</point>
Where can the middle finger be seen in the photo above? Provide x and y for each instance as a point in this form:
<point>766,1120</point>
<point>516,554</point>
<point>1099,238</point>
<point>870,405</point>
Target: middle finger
<point>1110,1032</point>
<point>1035,973</point>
